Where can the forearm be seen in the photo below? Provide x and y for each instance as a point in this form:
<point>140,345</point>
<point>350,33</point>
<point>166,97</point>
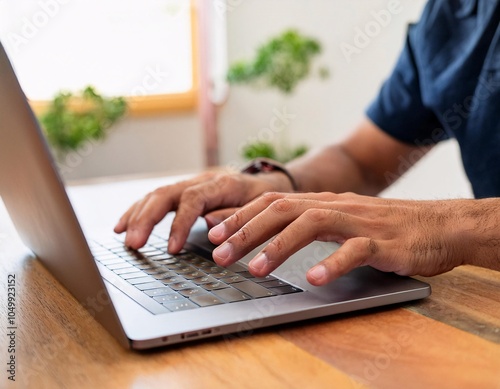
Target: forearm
<point>478,234</point>
<point>331,169</point>
<point>366,162</point>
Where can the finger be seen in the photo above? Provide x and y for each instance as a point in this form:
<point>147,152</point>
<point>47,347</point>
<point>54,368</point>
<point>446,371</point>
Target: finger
<point>263,226</point>
<point>216,217</point>
<point>353,253</point>
<point>313,224</point>
<point>141,217</point>
<point>221,192</point>
<point>121,226</point>
<point>342,202</point>
<point>228,227</point>
<point>150,211</point>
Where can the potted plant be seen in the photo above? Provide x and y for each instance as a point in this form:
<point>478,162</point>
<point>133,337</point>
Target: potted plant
<point>73,120</point>
<point>281,63</point>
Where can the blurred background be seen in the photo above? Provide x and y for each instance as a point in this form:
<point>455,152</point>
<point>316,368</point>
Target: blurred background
<point>169,59</point>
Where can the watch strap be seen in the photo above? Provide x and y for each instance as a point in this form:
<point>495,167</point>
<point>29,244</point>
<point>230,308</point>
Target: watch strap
<point>267,165</point>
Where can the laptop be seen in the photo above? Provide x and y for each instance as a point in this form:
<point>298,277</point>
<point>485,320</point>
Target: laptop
<point>148,298</point>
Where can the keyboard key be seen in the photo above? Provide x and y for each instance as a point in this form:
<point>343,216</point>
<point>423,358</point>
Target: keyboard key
<point>203,280</point>
<point>92,244</point>
<point>147,249</point>
<point>161,246</point>
<point>158,291</point>
<point>181,285</point>
<point>153,240</point>
<point>156,252</point>
<point>214,285</point>
<point>172,280</point>
<point>106,256</point>
<point>259,280</point>
<point>168,298</point>
<point>159,257</point>
<point>112,244</point>
<point>121,251</point>
<point>230,295</point>
<point>194,274</point>
<point>154,270</point>
<point>214,269</point>
<point>149,285</point>
<point>252,289</point>
<point>185,280</point>
<point>194,260</point>
<point>223,273</point>
<point>272,283</point>
<point>121,265</point>
<point>173,266</point>
<point>97,251</point>
<point>169,261</point>
<point>205,300</point>
<point>184,269</point>
<point>127,270</point>
<point>135,261</point>
<point>144,266</point>
<point>205,264</point>
<point>192,291</point>
<point>141,280</point>
<point>180,305</point>
<point>111,261</point>
<point>136,274</point>
<point>232,279</point>
<point>246,274</point>
<point>236,267</point>
<point>286,289</point>
<point>119,238</point>
<point>164,274</point>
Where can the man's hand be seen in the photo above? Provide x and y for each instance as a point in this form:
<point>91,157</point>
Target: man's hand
<point>401,236</point>
<point>192,198</point>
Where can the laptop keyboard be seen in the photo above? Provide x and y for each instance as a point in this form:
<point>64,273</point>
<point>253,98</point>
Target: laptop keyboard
<point>169,283</point>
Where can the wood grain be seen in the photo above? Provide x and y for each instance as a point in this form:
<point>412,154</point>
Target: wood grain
<point>450,340</point>
<point>61,346</point>
<point>402,349</point>
<point>467,298</point>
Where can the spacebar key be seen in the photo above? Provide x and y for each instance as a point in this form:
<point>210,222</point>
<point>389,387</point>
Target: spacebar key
<point>252,289</point>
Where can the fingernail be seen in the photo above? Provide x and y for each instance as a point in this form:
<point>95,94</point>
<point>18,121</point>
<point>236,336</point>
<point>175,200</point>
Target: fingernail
<point>172,243</point>
<point>318,273</point>
<point>213,221</point>
<point>218,230</point>
<point>129,239</point>
<point>259,262</point>
<point>224,251</point>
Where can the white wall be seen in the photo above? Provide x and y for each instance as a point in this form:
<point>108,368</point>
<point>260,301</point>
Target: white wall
<point>326,111</point>
<point>170,143</point>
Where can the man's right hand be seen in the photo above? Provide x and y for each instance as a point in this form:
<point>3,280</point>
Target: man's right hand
<point>214,195</point>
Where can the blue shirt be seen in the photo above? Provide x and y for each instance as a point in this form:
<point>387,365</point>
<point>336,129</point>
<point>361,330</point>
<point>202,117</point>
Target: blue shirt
<point>446,84</point>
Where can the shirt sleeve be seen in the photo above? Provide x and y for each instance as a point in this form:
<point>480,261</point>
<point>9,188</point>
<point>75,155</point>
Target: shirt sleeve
<point>399,110</point>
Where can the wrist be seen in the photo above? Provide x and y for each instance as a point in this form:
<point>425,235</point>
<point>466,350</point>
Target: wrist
<point>273,172</point>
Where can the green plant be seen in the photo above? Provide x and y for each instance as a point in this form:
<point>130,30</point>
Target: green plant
<point>73,119</point>
<point>268,150</point>
<point>281,63</point>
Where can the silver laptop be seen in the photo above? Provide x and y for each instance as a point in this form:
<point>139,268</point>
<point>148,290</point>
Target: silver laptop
<point>148,298</point>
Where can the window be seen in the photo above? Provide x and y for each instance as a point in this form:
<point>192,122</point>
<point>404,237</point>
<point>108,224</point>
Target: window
<point>141,49</point>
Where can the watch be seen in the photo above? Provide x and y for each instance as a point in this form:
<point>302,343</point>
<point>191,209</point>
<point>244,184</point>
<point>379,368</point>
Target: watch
<point>267,165</point>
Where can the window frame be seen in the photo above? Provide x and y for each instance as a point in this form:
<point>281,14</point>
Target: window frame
<point>156,104</point>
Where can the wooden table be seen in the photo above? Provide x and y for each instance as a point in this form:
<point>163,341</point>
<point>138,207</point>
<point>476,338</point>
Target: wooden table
<point>450,340</point>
